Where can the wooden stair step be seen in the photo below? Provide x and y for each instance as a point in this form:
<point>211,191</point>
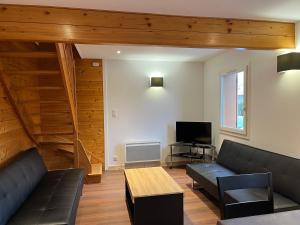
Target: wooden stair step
<point>57,143</point>
<point>66,148</point>
<point>48,113</point>
<point>51,124</point>
<point>33,72</point>
<point>96,169</point>
<point>42,101</point>
<point>95,175</point>
<point>39,88</point>
<point>34,54</point>
<point>54,133</point>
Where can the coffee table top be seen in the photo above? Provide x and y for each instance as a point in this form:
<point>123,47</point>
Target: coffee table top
<point>151,181</point>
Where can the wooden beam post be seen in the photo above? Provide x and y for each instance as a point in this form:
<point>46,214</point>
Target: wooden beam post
<point>36,23</point>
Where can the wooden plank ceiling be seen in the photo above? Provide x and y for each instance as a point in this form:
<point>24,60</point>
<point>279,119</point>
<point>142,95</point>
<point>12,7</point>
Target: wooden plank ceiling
<point>98,27</point>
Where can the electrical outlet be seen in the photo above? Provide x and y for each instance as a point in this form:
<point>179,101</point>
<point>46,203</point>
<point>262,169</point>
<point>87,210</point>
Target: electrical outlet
<point>95,64</point>
<point>115,158</point>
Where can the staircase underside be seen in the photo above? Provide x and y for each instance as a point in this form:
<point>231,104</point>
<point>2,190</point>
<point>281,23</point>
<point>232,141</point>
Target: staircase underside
<point>35,82</point>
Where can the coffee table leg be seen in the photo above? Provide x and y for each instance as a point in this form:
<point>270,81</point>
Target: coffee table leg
<point>129,203</point>
<point>171,155</point>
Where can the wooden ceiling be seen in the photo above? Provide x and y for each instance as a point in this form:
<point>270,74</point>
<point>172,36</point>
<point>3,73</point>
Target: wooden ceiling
<point>98,27</point>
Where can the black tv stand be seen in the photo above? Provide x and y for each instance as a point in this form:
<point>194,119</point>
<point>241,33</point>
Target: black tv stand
<point>190,155</point>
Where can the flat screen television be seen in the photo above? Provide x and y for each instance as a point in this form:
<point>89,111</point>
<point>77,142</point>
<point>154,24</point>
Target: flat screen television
<point>193,132</point>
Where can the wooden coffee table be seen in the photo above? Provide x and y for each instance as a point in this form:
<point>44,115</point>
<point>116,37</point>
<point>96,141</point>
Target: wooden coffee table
<point>153,197</point>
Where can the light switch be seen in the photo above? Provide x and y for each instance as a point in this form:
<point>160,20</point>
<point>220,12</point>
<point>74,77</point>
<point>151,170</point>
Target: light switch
<point>114,114</point>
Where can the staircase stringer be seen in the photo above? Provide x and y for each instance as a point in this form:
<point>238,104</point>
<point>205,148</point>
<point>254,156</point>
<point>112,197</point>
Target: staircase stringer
<point>20,113</point>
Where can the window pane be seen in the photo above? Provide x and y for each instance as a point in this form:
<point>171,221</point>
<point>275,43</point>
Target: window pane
<point>240,100</point>
<point>233,101</point>
<point>229,87</point>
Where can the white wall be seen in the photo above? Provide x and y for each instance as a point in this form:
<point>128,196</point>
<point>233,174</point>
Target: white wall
<point>144,113</point>
<point>274,100</point>
<point>297,32</point>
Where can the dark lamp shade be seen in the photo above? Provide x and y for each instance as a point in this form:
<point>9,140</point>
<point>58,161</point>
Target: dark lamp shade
<point>290,61</point>
<point>156,81</point>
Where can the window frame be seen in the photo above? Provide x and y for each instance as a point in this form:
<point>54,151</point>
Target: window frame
<point>235,131</point>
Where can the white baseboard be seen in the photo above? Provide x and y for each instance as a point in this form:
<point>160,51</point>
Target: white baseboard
<point>118,167</point>
<point>136,165</point>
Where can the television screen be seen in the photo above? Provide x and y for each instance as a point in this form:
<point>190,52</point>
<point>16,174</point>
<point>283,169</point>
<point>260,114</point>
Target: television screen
<point>193,132</point>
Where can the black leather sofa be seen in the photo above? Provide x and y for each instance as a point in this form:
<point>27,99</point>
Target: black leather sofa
<point>31,195</point>
<point>235,158</point>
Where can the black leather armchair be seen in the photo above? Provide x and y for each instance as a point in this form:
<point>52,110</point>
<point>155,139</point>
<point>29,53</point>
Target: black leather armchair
<point>235,209</point>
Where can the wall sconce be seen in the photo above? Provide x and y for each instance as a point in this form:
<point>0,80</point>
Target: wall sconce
<point>156,81</point>
<point>290,61</point>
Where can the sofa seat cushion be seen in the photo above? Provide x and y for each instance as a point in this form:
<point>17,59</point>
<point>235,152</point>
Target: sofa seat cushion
<point>281,203</point>
<point>54,201</point>
<point>289,217</point>
<point>210,171</point>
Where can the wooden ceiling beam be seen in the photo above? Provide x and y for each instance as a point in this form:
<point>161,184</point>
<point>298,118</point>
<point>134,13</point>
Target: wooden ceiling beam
<point>108,27</point>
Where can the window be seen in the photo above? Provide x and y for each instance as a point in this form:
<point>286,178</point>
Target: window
<point>233,102</point>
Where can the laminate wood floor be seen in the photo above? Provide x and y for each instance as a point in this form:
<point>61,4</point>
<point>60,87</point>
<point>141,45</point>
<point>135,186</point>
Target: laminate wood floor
<point>104,204</point>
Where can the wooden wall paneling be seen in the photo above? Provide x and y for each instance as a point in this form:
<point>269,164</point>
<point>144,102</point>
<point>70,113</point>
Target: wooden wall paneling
<point>19,110</point>
<point>13,138</point>
<point>55,159</point>
<point>89,81</point>
<point>98,27</point>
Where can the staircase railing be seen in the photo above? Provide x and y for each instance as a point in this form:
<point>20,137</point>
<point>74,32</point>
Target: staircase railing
<point>83,158</point>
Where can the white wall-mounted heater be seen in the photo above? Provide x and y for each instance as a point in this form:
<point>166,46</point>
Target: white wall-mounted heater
<point>142,152</point>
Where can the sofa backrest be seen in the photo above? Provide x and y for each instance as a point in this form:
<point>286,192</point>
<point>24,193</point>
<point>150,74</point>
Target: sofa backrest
<point>18,180</point>
<point>245,159</point>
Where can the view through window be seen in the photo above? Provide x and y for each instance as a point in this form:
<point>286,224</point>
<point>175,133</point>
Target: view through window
<point>233,102</point>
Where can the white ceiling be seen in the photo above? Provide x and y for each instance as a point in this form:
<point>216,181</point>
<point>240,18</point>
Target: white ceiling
<point>147,53</point>
<point>250,9</point>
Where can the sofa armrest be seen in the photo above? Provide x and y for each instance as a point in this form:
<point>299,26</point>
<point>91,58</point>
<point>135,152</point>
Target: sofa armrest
<point>245,181</point>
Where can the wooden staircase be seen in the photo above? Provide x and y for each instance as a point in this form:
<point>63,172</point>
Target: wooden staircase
<point>40,82</point>
<point>93,170</point>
